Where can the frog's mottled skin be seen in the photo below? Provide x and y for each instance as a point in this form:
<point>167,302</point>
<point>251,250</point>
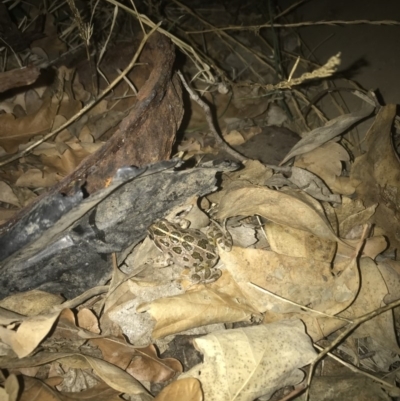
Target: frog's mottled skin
<point>188,248</point>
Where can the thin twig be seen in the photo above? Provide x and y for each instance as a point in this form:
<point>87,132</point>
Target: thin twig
<point>218,139</point>
<point>296,25</point>
<point>299,305</point>
<point>88,106</point>
<point>357,370</point>
<point>356,322</point>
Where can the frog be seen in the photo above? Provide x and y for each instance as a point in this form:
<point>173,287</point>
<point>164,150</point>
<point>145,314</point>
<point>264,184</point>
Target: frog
<point>191,248</point>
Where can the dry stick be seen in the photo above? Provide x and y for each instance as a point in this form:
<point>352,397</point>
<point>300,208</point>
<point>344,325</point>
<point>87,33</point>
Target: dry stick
<point>222,35</point>
<point>357,370</point>
<point>89,105</point>
<point>350,328</point>
<point>220,142</point>
<point>81,298</point>
<point>296,25</point>
<point>201,66</point>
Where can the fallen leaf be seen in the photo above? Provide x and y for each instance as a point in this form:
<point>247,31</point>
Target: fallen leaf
<point>292,208</point>
<point>181,390</point>
<point>141,363</point>
<point>244,364</point>
<point>194,309</point>
<point>332,128</point>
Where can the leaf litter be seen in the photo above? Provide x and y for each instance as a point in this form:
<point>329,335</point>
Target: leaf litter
<point>314,246</point>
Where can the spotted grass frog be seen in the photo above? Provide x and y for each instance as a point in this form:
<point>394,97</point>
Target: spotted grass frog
<point>191,248</point>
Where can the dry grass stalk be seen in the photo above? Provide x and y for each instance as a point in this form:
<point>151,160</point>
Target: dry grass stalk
<point>85,30</point>
<point>325,71</point>
<point>88,106</point>
<point>256,28</point>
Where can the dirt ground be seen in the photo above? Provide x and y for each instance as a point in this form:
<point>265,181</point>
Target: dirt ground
<point>370,53</point>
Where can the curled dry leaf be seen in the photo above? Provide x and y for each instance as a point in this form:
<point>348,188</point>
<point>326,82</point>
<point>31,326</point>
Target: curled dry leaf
<point>11,389</point>
<point>332,128</point>
<point>194,309</point>
<point>327,163</point>
<point>88,320</point>
<point>244,364</point>
<point>29,334</point>
<point>291,208</point>
<point>141,363</point>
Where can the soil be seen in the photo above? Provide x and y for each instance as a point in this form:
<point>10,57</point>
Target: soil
<point>370,53</point>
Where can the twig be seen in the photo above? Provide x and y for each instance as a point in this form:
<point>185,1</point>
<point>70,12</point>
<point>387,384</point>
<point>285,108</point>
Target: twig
<point>299,305</point>
<point>88,106</point>
<point>218,139</point>
<point>296,25</point>
<point>356,370</point>
<point>81,298</point>
<point>356,322</point>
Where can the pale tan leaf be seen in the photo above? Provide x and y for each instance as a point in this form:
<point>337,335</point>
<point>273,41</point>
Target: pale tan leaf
<point>29,334</point>
<point>88,320</point>
<point>193,309</point>
<point>181,390</point>
<point>7,195</point>
<point>304,281</point>
<point>12,388</point>
<point>31,303</point>
<point>244,364</point>
<point>298,243</point>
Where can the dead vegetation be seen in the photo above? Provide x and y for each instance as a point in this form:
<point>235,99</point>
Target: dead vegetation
<point>313,273</point>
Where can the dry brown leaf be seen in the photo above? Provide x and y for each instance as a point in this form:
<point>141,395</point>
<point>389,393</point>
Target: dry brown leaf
<point>35,178</point>
<point>18,131</point>
<point>88,320</point>
<point>352,213</point>
<point>29,334</point>
<point>194,309</point>
<point>7,195</point>
<point>35,389</point>
<point>293,242</point>
<point>291,208</point>
<point>244,364</point>
<point>312,185</point>
<point>304,281</point>
<point>381,327</point>
<point>326,163</point>
<point>181,390</point>
<point>51,43</point>
<point>6,214</point>
<point>375,175</point>
<point>68,161</point>
<point>11,389</point>
<point>31,303</point>
<point>234,138</point>
<point>24,195</point>
<point>141,363</point>
<point>332,128</point>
